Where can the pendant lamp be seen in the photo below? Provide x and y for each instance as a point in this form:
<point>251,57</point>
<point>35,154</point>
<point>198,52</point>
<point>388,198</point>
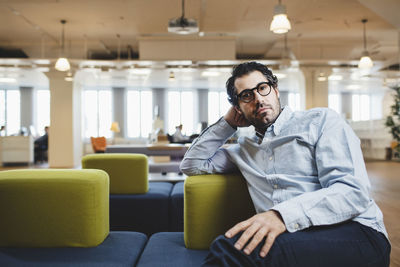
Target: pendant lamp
<point>62,63</point>
<point>280,23</point>
<point>365,61</point>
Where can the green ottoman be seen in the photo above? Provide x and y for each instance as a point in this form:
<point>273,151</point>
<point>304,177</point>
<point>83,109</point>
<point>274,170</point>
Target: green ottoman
<point>53,208</point>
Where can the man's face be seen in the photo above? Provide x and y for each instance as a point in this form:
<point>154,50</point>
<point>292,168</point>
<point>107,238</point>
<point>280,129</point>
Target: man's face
<point>263,110</point>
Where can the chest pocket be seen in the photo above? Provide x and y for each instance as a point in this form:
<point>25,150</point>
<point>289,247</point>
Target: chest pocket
<point>295,155</point>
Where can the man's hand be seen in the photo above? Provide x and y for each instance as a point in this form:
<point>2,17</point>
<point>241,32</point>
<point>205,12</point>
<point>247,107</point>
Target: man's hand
<point>235,119</point>
<point>267,224</point>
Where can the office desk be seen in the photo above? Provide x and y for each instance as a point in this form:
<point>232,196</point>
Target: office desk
<point>174,151</point>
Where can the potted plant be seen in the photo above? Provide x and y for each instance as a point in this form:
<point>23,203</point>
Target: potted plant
<point>393,122</point>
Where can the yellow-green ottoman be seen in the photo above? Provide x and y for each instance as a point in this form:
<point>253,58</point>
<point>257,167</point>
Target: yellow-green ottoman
<point>58,218</point>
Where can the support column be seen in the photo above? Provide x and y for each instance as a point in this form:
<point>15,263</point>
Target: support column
<point>65,138</point>
<point>203,105</point>
<point>160,100</point>
<point>119,108</point>
<point>347,105</point>
<point>316,91</point>
<point>27,106</point>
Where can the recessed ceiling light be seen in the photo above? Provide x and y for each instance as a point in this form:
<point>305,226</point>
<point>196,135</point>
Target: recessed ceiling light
<point>139,71</point>
<point>7,80</point>
<point>353,87</point>
<point>335,77</point>
<point>210,73</point>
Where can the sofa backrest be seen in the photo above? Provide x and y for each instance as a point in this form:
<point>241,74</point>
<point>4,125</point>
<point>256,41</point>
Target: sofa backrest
<point>128,172</point>
<point>53,208</point>
<point>212,205</point>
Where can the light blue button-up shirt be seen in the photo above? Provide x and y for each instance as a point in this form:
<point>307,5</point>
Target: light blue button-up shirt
<point>309,167</point>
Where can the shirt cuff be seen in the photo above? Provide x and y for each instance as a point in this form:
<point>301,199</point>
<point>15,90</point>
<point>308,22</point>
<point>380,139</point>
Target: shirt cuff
<point>293,216</point>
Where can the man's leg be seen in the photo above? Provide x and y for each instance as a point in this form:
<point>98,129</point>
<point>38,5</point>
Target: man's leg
<point>347,244</point>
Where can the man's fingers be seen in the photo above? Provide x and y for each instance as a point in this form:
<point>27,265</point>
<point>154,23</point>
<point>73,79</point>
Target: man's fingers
<point>268,244</point>
<point>246,235</point>
<point>237,228</point>
<point>257,238</point>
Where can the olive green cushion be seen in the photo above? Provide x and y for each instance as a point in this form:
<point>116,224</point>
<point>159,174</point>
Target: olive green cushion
<point>53,208</point>
<point>128,172</point>
<point>212,205</point>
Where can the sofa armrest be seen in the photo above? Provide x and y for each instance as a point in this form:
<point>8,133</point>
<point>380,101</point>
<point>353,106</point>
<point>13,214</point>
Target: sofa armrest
<point>212,205</point>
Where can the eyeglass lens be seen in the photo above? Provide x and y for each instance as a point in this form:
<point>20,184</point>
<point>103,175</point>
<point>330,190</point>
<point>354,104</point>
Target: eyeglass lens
<point>248,95</point>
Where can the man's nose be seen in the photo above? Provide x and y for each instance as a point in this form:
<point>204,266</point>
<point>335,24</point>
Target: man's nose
<point>257,97</point>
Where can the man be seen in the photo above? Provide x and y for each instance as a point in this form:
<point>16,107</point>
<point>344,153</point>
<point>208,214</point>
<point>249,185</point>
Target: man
<point>41,146</point>
<point>305,174</point>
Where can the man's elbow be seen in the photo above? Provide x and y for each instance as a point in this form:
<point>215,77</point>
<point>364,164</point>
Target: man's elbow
<point>189,167</point>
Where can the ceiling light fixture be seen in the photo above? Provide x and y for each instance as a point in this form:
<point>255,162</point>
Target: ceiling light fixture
<point>365,61</point>
<point>280,23</point>
<point>321,77</point>
<point>183,25</point>
<point>171,77</point>
<point>69,77</point>
<point>62,63</point>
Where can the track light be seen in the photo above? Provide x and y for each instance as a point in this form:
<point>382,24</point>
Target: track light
<point>62,63</point>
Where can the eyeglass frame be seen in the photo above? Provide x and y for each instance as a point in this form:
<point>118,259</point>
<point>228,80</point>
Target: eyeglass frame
<point>239,96</point>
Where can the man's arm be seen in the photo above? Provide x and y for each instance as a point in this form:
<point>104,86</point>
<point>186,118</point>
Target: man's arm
<point>206,154</point>
<point>342,175</point>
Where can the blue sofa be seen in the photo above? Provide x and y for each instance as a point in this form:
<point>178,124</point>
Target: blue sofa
<point>205,198</point>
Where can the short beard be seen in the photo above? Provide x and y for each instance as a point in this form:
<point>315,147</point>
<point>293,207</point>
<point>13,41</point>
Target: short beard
<point>260,126</point>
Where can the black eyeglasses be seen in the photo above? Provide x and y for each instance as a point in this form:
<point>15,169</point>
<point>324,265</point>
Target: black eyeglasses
<point>248,95</point>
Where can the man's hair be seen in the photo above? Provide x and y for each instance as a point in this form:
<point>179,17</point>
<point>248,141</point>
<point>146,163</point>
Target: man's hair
<point>244,69</point>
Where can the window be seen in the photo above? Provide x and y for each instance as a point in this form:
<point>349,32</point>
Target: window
<point>180,111</point>
<point>294,101</point>
<point>43,110</point>
<point>10,111</point>
<point>218,105</point>
<point>335,103</point>
<point>140,115</point>
<point>97,107</point>
<point>360,107</point>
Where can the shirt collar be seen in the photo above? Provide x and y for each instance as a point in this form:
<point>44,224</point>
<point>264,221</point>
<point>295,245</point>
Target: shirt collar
<point>280,121</point>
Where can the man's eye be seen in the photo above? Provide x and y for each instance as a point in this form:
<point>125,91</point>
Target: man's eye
<point>246,95</point>
<point>263,87</point>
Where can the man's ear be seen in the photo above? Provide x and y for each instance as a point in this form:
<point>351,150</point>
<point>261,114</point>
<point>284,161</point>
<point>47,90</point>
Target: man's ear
<point>237,108</point>
<point>277,92</point>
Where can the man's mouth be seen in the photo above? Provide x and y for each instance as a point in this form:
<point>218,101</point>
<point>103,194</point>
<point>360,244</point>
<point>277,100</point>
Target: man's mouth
<point>261,110</point>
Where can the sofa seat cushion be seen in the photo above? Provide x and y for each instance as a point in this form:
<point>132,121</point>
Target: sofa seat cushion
<point>168,249</point>
<point>118,249</point>
<point>53,208</point>
<point>147,213</point>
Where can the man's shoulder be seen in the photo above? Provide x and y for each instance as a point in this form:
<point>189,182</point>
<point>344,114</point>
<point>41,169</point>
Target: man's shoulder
<point>315,114</point>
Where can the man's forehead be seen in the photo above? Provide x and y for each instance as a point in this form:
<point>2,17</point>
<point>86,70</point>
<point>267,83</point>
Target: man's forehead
<point>249,80</point>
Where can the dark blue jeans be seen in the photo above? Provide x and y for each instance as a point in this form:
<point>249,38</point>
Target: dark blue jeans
<point>346,244</point>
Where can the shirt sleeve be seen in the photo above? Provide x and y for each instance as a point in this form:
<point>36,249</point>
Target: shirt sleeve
<point>206,154</point>
<point>342,175</point>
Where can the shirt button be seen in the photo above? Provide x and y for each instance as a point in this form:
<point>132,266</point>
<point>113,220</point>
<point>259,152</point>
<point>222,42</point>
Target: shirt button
<point>296,226</point>
<point>270,158</point>
<point>275,186</point>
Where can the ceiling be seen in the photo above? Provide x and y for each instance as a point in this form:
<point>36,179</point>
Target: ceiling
<point>321,29</point>
<point>324,32</point>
